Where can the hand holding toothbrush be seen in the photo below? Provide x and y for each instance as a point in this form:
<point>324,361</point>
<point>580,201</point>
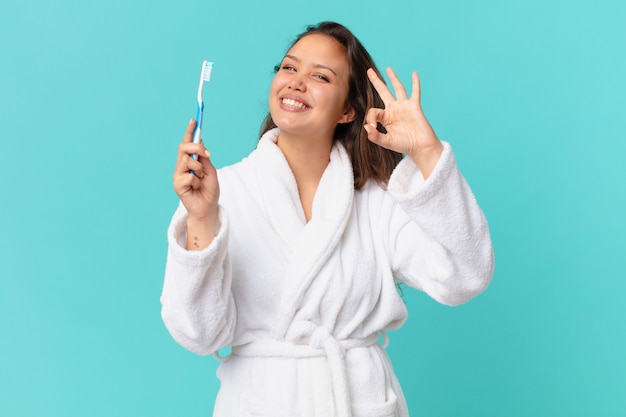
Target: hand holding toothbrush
<point>198,191</point>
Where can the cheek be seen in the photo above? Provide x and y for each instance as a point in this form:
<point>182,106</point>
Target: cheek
<point>272,99</point>
<point>277,83</point>
<point>340,101</point>
<point>274,88</point>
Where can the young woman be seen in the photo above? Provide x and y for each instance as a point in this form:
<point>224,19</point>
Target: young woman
<point>292,256</point>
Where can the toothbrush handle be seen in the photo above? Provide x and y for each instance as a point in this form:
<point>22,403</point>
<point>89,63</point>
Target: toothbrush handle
<point>197,132</point>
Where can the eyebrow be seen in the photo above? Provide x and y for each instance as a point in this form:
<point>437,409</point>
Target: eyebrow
<point>295,58</point>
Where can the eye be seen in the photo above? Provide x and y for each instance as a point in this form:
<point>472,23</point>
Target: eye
<point>322,77</point>
<point>288,67</point>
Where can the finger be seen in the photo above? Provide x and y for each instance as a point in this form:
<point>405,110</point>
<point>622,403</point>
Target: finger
<point>191,183</point>
<point>186,149</point>
<point>373,119</point>
<point>189,131</point>
<point>374,115</point>
<point>380,87</point>
<point>416,93</point>
<point>373,134</point>
<point>187,164</point>
<point>397,84</point>
<point>184,182</point>
<point>196,167</point>
<point>205,161</point>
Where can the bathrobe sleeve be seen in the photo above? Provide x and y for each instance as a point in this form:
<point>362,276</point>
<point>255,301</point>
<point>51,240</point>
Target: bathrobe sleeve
<point>438,240</point>
<point>197,304</point>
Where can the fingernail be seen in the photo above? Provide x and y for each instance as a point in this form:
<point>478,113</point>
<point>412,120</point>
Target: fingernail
<point>207,153</point>
<point>367,128</point>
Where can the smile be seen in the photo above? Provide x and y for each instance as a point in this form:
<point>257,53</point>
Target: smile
<point>294,104</point>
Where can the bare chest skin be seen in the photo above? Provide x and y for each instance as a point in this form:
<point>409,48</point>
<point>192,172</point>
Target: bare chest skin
<point>307,194</point>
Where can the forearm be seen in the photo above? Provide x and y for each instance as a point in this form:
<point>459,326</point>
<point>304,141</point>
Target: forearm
<point>426,159</point>
<point>197,305</point>
<point>455,257</point>
<point>200,232</point>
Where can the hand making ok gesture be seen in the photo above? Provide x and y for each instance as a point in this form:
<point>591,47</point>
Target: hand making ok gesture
<point>408,131</point>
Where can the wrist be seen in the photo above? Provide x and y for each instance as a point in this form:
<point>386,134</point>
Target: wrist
<point>198,219</point>
<point>201,231</point>
<point>427,158</point>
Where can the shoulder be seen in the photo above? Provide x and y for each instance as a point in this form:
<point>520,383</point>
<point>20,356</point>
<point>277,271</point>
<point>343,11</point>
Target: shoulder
<point>374,195</point>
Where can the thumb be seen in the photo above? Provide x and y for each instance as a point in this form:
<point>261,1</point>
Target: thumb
<point>372,118</point>
<point>373,134</point>
<point>374,115</point>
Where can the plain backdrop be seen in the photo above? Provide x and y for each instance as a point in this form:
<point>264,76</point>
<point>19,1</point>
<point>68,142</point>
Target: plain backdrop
<point>94,99</point>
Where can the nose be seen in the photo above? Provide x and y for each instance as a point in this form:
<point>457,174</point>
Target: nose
<point>297,82</point>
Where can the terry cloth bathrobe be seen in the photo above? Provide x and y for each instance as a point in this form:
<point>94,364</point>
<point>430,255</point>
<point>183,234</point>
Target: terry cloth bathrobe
<point>305,305</point>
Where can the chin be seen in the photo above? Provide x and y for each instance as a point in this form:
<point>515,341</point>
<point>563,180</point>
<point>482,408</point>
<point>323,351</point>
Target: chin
<point>286,125</point>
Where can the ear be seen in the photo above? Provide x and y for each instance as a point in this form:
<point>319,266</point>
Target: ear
<point>348,116</point>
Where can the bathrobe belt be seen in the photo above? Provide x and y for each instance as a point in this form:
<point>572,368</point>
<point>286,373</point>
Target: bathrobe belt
<point>306,339</point>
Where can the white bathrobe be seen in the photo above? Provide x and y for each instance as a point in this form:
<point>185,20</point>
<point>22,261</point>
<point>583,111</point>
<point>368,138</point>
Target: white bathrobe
<point>305,305</point>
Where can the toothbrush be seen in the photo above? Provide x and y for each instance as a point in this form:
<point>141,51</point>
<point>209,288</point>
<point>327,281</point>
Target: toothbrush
<point>205,76</point>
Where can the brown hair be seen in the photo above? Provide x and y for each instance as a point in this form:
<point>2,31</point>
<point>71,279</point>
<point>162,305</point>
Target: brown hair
<point>369,161</point>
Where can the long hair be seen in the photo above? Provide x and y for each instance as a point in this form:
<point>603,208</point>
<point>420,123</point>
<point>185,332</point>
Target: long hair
<point>369,161</point>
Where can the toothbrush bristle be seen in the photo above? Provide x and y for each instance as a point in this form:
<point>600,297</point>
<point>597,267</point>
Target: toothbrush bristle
<point>206,71</point>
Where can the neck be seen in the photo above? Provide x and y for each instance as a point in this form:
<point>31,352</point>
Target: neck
<point>307,158</point>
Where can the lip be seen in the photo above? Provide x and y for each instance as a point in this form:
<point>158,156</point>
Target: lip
<point>297,99</point>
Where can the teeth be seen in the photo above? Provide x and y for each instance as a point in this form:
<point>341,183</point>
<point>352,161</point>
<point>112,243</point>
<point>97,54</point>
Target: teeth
<point>293,103</point>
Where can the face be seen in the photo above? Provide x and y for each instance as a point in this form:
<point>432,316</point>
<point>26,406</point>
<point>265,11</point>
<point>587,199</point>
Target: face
<point>309,91</point>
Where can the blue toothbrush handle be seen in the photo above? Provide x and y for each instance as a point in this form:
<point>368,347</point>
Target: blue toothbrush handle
<point>197,132</point>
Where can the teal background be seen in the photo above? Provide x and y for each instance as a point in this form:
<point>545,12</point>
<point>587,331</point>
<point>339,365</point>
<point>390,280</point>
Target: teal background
<point>95,97</point>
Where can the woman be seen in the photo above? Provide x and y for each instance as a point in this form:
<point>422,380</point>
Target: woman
<point>292,256</point>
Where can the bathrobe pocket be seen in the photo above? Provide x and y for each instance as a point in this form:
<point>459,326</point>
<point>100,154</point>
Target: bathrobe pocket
<point>252,408</point>
<point>286,387</point>
<point>386,409</point>
<point>371,383</point>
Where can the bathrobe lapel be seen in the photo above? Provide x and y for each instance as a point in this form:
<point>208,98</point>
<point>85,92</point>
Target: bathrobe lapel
<point>311,244</point>
<point>279,191</point>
